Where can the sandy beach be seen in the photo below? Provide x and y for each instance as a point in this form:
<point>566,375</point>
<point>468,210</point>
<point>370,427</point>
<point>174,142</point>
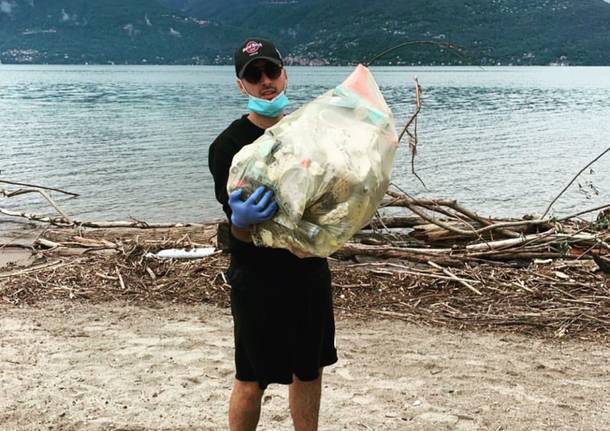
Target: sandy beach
<point>116,366</point>
<point>120,342</point>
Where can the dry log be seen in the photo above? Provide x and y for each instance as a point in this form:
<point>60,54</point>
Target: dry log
<point>431,233</point>
<point>529,239</point>
<point>421,255</point>
<point>527,247</point>
<point>47,243</point>
<point>133,224</point>
<point>56,221</point>
<point>524,256</point>
<point>67,251</point>
<point>394,222</point>
<point>63,222</point>
<point>437,205</point>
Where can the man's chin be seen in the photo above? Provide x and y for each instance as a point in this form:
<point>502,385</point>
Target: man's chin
<point>269,96</point>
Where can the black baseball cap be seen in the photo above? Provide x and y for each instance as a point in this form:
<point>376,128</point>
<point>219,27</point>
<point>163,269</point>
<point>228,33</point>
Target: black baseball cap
<point>255,49</point>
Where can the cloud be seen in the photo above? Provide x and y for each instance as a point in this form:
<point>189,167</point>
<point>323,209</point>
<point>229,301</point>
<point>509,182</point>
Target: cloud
<point>64,16</point>
<point>148,23</point>
<point>174,32</point>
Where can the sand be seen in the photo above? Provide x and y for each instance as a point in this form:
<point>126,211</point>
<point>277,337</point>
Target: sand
<point>15,257</point>
<point>11,255</point>
<point>115,366</point>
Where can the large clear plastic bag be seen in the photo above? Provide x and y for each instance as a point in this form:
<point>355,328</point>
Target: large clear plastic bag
<point>328,164</point>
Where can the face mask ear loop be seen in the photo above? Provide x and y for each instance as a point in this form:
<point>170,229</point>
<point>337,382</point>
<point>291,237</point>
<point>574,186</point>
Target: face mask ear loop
<point>243,89</point>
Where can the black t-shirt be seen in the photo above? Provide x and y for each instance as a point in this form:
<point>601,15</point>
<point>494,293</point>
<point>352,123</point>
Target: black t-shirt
<point>240,133</point>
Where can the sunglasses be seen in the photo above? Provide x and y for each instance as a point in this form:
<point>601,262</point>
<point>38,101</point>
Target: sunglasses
<point>253,74</point>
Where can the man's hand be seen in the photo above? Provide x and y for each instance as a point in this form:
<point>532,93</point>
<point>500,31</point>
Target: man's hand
<point>260,206</point>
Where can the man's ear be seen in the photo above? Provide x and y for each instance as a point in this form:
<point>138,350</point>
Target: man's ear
<point>285,78</point>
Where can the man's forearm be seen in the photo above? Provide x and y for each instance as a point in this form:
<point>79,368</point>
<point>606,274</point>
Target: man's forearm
<point>241,234</point>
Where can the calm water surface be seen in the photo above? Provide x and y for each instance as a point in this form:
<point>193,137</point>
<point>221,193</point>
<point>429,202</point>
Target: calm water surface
<point>133,140</point>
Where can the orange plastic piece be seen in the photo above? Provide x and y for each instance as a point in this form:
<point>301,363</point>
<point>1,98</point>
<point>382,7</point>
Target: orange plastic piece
<point>359,82</point>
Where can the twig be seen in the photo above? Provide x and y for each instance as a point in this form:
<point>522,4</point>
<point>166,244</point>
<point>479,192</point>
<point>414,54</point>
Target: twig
<point>377,218</point>
<point>453,276</point>
<point>602,207</point>
<point>413,136</point>
<point>433,204</point>
<point>350,286</point>
<point>454,49</point>
<point>121,282</point>
<point>438,222</point>
<point>574,179</point>
<point>47,243</point>
<point>43,193</point>
<point>30,269</point>
<point>39,187</point>
<point>151,273</point>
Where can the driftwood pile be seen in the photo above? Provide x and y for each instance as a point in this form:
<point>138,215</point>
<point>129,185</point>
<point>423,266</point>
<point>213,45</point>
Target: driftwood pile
<point>465,237</point>
<point>440,265</point>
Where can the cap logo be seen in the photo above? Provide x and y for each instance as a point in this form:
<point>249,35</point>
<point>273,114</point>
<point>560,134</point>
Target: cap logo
<point>252,47</point>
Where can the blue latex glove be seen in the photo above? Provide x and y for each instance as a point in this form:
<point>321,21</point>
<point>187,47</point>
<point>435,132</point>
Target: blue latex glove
<point>260,206</point>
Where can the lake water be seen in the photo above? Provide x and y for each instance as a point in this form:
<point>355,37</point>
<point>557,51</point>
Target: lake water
<point>133,140</point>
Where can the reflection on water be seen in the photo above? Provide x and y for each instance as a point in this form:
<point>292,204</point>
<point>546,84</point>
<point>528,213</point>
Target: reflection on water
<point>133,140</point>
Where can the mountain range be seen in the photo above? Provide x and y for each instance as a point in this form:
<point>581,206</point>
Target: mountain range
<point>308,32</point>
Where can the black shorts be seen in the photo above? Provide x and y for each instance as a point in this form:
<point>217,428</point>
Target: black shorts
<point>283,324</point>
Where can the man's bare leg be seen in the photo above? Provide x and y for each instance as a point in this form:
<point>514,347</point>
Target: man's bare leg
<point>245,406</point>
<point>304,400</point>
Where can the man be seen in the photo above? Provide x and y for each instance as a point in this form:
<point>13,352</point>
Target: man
<point>281,305</point>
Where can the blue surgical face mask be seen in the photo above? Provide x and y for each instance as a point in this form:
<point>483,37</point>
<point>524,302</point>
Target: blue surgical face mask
<point>268,108</point>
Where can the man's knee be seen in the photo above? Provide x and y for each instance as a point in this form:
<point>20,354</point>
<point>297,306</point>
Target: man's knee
<point>248,391</point>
